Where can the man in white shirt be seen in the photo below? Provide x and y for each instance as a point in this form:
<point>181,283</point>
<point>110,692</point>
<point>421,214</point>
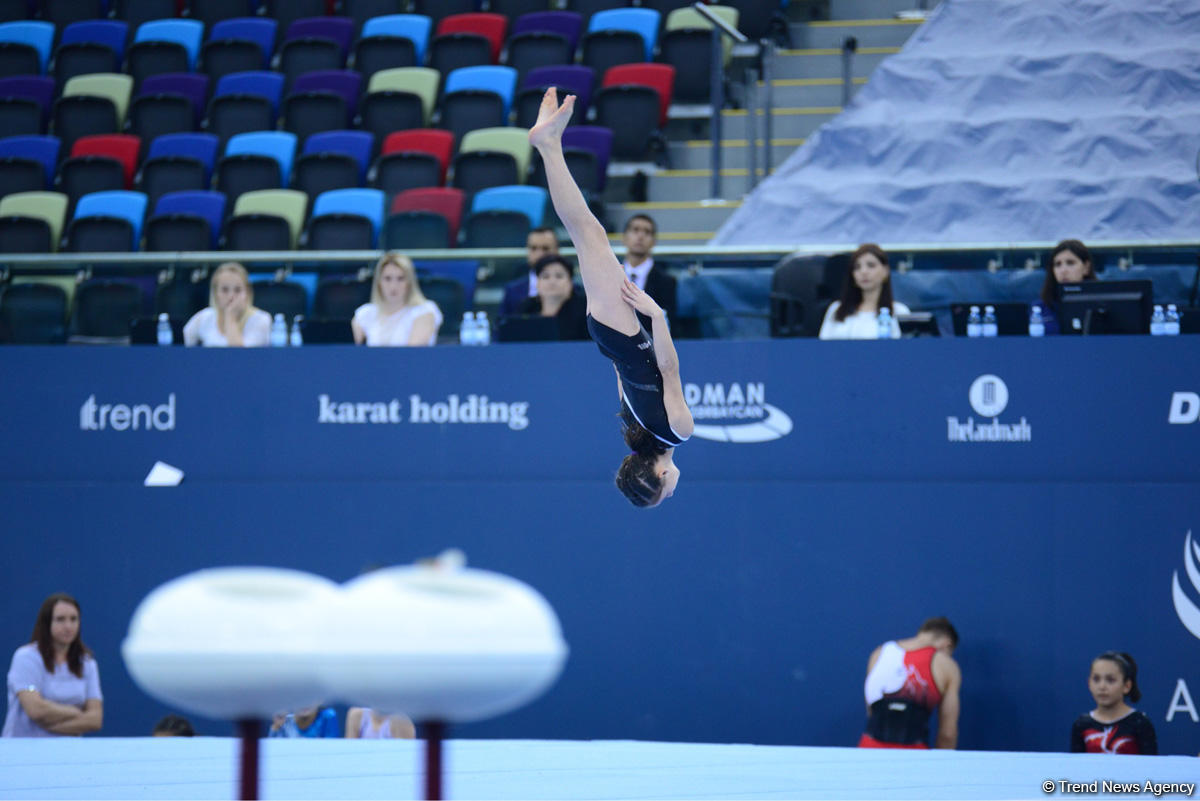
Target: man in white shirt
<point>638,238</point>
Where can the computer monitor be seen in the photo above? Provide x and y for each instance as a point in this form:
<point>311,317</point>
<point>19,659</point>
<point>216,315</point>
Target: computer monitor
<point>527,328</point>
<point>1105,307</point>
<point>918,324</point>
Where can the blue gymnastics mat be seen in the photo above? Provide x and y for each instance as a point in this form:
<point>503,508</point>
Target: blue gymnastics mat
<point>205,767</point>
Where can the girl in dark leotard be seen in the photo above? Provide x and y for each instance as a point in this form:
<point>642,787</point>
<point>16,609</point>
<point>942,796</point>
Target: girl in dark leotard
<point>653,412</point>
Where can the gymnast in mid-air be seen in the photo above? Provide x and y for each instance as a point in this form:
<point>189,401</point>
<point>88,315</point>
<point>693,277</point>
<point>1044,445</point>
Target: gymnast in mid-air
<point>654,414</point>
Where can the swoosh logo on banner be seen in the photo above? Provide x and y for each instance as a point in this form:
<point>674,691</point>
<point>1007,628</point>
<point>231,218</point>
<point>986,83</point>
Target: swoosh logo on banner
<point>775,425</point>
<point>1189,613</point>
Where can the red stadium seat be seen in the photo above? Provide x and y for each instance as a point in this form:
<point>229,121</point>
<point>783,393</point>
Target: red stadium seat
<point>659,77</point>
<point>445,201</point>
<point>122,147</point>
<point>492,27</point>
<point>434,141</point>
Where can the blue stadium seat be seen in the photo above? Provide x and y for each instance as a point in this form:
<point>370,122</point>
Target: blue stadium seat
<point>130,206</point>
<point>208,205</point>
<point>36,34</point>
<point>358,144</point>
<point>501,80</point>
<point>279,145</point>
<point>362,202</point>
<point>642,21</point>
<point>200,146</point>
<point>188,33</point>
<point>42,149</point>
<point>528,200</point>
<point>109,32</point>
<point>260,30</point>
<point>260,82</point>
<point>414,27</point>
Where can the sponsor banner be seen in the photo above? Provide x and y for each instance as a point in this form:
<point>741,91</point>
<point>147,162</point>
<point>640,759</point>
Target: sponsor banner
<point>763,411</point>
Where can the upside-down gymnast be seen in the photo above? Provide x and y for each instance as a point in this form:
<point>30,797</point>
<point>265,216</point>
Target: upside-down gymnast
<point>654,415</point>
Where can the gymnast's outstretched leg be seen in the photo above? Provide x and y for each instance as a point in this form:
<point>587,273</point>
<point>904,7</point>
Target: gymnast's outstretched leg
<point>602,274</point>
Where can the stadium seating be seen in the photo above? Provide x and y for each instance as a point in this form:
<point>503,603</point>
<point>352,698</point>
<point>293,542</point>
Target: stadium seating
<point>33,314</point>
<point>26,102</point>
<point>104,310</point>
<point>244,102</point>
<point>106,222</point>
<point>528,51</point>
<point>361,12</point>
<point>94,45</point>
<point>202,147</point>
<point>186,221</point>
<point>40,148</point>
<point>238,45</point>
<point>414,158</point>
<point>338,217</point>
<point>48,207</point>
<point>686,45</point>
<point>426,217</point>
<point>68,12</point>
<point>285,12</point>
<point>568,79</point>
<point>491,27</point>
<point>633,103</point>
<point>492,157</point>
<point>531,201</point>
<point>25,47</point>
<point>567,24</point>
<point>288,298</point>
<point>359,145</point>
<point>168,45</point>
<point>642,21</point>
<point>269,219</point>
<point>413,27</point>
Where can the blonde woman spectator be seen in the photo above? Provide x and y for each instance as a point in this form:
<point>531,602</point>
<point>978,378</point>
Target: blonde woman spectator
<point>398,313</point>
<point>366,724</point>
<point>231,320</point>
<point>868,288</point>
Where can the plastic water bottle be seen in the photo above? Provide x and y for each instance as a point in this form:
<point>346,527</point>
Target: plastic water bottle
<point>883,324</point>
<point>165,335</point>
<point>974,326</point>
<point>279,332</point>
<point>483,329</point>
<point>1171,324</point>
<point>296,339</point>
<point>1158,321</point>
<point>466,329</point>
<point>989,328</point>
<point>1037,325</point>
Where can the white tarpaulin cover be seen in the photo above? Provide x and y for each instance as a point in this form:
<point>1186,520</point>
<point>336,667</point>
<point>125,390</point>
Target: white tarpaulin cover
<point>1003,121</point>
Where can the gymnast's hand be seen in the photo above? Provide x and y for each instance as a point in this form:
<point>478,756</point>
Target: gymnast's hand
<point>639,300</point>
<point>552,119</point>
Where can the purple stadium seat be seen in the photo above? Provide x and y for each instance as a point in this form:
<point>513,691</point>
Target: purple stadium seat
<point>38,88</point>
<point>565,23</point>
<point>346,83</point>
<point>577,79</point>
<point>192,85</point>
<point>593,138</point>
<point>339,29</point>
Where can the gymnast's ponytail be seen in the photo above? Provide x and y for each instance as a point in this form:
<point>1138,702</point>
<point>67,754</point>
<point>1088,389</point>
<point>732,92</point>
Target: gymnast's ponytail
<point>636,477</point>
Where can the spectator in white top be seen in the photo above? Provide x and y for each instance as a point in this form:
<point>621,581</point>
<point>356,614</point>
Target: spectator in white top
<point>868,288</point>
<point>231,320</point>
<point>53,682</point>
<point>398,314</point>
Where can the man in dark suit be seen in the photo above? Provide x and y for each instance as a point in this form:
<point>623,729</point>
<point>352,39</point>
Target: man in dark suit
<point>540,242</point>
<point>638,239</point>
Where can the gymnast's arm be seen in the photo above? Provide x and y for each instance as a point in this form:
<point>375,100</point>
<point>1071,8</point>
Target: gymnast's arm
<point>947,736</point>
<point>678,413</point>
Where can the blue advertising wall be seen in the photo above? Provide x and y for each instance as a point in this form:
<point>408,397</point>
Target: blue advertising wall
<point>1036,492</point>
